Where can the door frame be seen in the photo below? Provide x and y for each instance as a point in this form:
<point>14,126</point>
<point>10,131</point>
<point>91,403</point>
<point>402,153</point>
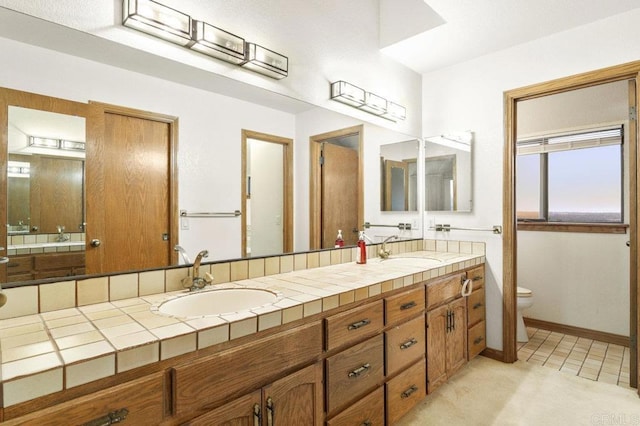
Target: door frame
<point>628,71</point>
<point>315,183</point>
<point>287,208</point>
<point>95,130</point>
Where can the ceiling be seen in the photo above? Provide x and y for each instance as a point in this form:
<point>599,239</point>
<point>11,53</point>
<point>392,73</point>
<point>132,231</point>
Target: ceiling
<point>473,28</point>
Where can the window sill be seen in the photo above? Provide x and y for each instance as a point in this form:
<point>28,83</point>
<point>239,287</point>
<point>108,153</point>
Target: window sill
<point>586,228</point>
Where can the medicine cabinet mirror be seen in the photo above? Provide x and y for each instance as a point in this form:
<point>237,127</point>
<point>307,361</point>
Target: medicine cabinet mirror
<point>399,176</point>
<point>448,172</point>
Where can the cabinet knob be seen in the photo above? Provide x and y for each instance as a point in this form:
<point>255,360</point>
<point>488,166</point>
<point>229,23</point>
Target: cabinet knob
<point>408,392</point>
<point>358,371</point>
<point>359,324</point>
<point>95,242</point>
<point>408,305</point>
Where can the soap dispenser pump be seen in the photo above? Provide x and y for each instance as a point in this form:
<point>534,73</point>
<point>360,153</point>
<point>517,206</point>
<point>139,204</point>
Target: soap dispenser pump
<point>339,240</point>
<point>361,251</point>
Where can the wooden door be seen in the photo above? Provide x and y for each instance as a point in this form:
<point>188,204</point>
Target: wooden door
<point>457,336</point>
<point>436,347</point>
<point>243,411</point>
<point>295,399</point>
<point>339,191</point>
<point>130,161</point>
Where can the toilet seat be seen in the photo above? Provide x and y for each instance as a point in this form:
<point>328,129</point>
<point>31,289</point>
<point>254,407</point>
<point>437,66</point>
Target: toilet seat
<point>524,292</point>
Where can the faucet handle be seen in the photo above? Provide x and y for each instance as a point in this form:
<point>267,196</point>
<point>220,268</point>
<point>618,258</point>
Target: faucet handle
<point>208,277</point>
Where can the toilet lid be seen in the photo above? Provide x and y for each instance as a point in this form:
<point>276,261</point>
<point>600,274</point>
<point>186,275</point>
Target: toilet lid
<point>524,292</point>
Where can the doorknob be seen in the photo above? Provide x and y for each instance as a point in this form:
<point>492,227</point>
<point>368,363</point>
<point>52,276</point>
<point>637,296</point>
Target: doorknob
<point>95,243</point>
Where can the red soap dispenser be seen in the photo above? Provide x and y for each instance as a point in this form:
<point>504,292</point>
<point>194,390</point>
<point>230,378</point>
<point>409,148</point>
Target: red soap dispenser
<point>361,251</point>
<point>339,240</point>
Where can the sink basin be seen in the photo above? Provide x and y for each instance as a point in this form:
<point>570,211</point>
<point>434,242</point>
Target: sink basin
<point>409,261</point>
<point>216,302</point>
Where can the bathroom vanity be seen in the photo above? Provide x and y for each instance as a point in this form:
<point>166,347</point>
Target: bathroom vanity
<point>365,353</point>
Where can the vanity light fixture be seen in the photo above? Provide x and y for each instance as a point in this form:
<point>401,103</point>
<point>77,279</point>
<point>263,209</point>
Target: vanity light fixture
<point>347,93</point>
<point>157,20</point>
<point>354,96</point>
<point>265,61</point>
<point>172,25</point>
<point>217,43</point>
<point>50,143</point>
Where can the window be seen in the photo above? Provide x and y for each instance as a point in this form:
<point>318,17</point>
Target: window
<point>575,178</point>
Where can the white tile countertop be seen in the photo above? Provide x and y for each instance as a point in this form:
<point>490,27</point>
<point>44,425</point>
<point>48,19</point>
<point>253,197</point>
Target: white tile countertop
<point>48,352</point>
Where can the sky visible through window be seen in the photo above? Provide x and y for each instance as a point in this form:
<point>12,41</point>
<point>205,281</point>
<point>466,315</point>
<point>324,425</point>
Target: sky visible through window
<point>584,185</point>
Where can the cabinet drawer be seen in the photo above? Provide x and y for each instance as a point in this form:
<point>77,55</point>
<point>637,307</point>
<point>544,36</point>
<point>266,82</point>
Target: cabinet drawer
<point>18,264</point>
<point>368,411</point>
<point>477,276</point>
<point>443,290</point>
<point>141,398</point>
<point>405,344</point>
<point>208,381</point>
<point>405,391</point>
<point>404,305</point>
<point>353,372</point>
<point>477,339</point>
<point>354,324</point>
<point>475,307</point>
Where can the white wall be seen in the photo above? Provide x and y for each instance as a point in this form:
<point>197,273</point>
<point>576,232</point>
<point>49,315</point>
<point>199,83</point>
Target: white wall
<point>470,96</point>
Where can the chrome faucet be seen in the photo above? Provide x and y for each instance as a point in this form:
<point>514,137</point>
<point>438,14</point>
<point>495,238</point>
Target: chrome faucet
<point>61,236</point>
<point>199,282</point>
<point>383,252</point>
<point>183,253</point>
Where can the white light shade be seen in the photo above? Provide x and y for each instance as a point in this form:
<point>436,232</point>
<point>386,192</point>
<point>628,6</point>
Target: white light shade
<point>347,93</point>
<point>158,20</point>
<point>265,61</point>
<point>395,111</point>
<point>217,43</point>
<point>72,145</point>
<point>374,104</point>
<point>44,142</point>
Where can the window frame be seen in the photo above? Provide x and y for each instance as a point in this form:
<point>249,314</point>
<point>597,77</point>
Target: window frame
<point>543,223</point>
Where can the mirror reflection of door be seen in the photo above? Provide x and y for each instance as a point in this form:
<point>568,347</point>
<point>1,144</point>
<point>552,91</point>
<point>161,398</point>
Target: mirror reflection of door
<point>336,190</point>
<point>130,190</point>
<point>267,216</point>
<point>396,186</point>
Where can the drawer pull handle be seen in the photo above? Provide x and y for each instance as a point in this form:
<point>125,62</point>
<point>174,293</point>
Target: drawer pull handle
<point>408,392</point>
<point>478,278</point>
<point>358,371</point>
<point>478,340</point>
<point>407,305</point>
<point>478,305</point>
<point>408,343</point>
<point>113,417</point>
<point>270,411</point>
<point>367,423</point>
<point>256,415</point>
<point>359,324</point>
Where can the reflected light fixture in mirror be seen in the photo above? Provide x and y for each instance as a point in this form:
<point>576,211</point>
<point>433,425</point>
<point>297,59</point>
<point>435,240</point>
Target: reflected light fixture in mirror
<point>354,96</point>
<point>217,43</point>
<point>157,20</point>
<point>265,61</point>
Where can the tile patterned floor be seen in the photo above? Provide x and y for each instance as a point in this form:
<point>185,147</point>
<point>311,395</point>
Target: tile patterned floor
<point>590,359</point>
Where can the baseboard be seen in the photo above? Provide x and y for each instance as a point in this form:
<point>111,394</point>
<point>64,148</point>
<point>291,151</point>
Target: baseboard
<point>602,336</point>
<point>493,354</point>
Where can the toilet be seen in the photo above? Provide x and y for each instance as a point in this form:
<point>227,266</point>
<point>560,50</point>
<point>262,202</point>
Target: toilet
<point>525,301</point>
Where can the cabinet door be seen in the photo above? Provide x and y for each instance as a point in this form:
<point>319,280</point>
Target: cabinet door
<point>436,347</point>
<point>243,411</point>
<point>295,399</point>
<point>457,336</point>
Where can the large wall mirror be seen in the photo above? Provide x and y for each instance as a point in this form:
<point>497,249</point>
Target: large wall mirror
<point>448,172</point>
<point>399,176</point>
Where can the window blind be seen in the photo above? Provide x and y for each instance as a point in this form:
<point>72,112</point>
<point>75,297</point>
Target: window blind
<point>590,139</point>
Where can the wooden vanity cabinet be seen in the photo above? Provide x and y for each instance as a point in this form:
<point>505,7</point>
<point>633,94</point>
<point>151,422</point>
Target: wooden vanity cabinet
<point>369,410</point>
<point>405,390</point>
<point>446,330</point>
<point>354,325</point>
<point>295,399</point>
<point>212,381</point>
<point>138,402</point>
<point>476,314</point>
<point>45,265</point>
<point>404,345</point>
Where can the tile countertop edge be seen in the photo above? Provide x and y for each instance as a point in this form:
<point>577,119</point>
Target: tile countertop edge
<point>212,330</point>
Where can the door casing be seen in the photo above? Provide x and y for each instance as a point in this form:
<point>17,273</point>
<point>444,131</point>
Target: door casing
<point>628,71</point>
